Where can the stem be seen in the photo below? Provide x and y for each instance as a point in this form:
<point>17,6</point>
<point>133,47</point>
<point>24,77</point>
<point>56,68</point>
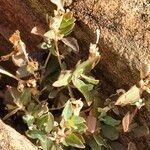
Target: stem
<point>47,59</point>
<point>58,54</point>
<point>45,65</point>
<point>2,71</point>
<point>70,92</point>
<point>11,113</point>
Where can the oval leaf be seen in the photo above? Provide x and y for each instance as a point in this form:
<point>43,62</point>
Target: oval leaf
<point>110,132</point>
<point>91,123</point>
<point>130,97</point>
<point>67,112</point>
<point>64,79</point>
<point>72,43</point>
<point>127,119</point>
<point>74,140</point>
<point>110,121</point>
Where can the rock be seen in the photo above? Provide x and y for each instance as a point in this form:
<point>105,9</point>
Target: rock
<point>10,139</point>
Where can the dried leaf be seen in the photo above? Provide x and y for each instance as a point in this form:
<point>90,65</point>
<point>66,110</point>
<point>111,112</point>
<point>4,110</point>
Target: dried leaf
<point>72,43</point>
<point>37,31</point>
<point>19,60</point>
<point>127,119</point>
<point>77,106</point>
<point>130,97</point>
<point>93,52</point>
<point>91,123</point>
<point>6,57</point>
<point>15,38</point>
<point>59,4</point>
<point>19,47</point>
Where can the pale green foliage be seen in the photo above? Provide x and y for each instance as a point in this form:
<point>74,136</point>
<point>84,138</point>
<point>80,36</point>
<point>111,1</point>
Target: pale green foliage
<point>72,123</point>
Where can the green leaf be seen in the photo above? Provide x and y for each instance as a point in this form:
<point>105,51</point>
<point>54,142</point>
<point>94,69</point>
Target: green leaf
<point>36,134</point>
<point>50,123</point>
<point>67,20</point>
<point>50,34</point>
<point>31,107</point>
<point>67,24</point>
<point>84,67</point>
<point>81,128</point>
<point>29,119</point>
<point>46,122</point>
<point>94,146</point>
<point>22,72</point>
<point>46,144</point>
<point>110,121</point>
<point>77,120</point>
<point>74,140</point>
<point>85,89</point>
<point>110,132</point>
<point>25,96</point>
<point>45,45</point>
<point>53,94</point>
<point>99,140</point>
<point>56,147</point>
<point>67,112</point>
<point>90,79</point>
<point>64,79</point>
<point>38,110</point>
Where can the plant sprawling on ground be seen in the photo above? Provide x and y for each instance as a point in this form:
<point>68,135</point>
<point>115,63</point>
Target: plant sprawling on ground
<point>60,106</point>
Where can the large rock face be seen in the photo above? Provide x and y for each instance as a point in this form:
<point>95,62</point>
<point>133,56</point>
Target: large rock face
<point>125,32</point>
